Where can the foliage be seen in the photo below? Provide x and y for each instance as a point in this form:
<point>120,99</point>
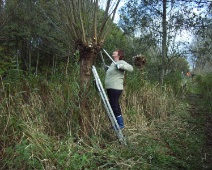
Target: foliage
<point>4,67</point>
<point>178,64</point>
<point>24,37</point>
<point>174,79</point>
<point>204,86</point>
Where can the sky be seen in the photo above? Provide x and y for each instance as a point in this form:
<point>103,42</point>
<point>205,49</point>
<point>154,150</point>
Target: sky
<point>116,19</point>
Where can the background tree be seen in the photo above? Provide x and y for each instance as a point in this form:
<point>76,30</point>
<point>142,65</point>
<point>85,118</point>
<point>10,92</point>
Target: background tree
<point>201,47</point>
<point>164,19</point>
<point>117,39</point>
<point>178,64</point>
<point>5,57</point>
<point>29,41</point>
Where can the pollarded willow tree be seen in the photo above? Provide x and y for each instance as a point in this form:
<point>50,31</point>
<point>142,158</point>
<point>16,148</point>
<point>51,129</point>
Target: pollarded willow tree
<point>84,24</point>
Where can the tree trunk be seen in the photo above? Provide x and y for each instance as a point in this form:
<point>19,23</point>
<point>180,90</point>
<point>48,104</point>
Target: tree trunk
<point>67,64</point>
<point>1,6</point>
<point>163,42</point>
<point>87,58</point>
<point>29,57</point>
<point>37,62</point>
<point>53,65</point>
<point>23,54</point>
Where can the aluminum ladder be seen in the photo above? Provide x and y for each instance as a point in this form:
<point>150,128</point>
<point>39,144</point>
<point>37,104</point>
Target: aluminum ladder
<point>108,108</point>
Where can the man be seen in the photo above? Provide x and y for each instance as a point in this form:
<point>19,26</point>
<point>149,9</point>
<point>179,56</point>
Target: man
<point>114,81</point>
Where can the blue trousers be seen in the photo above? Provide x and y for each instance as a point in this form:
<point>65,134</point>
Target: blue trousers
<point>113,96</point>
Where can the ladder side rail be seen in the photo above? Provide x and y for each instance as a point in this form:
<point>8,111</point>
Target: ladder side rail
<point>104,99</point>
<point>109,56</point>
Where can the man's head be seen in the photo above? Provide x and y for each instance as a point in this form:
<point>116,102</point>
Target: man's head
<point>118,55</point>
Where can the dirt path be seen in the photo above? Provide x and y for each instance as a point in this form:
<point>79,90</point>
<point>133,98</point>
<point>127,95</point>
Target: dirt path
<point>204,119</point>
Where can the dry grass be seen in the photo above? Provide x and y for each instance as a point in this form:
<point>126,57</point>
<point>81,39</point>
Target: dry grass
<point>42,124</point>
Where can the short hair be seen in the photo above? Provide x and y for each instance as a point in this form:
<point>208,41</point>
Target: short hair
<point>120,54</point>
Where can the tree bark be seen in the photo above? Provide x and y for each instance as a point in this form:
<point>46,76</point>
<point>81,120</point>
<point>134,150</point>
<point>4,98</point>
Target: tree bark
<point>87,58</point>
<point>67,64</point>
<point>163,42</point>
<point>37,62</point>
<point>29,57</point>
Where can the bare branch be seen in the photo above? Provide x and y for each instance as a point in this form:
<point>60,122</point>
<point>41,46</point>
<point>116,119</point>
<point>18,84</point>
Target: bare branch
<point>82,21</point>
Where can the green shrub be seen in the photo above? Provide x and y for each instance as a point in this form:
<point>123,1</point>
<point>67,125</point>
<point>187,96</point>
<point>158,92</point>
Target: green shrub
<point>204,85</point>
<point>175,81</point>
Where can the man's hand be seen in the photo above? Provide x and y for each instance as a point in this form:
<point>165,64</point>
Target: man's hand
<point>119,66</point>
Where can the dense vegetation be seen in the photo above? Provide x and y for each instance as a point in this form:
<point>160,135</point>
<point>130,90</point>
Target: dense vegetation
<point>39,127</point>
<point>39,99</point>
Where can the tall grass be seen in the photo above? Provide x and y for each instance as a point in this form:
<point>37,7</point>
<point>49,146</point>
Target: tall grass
<point>148,100</point>
<point>39,123</point>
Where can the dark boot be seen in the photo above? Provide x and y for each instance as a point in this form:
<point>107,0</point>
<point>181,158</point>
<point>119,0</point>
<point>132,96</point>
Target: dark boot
<point>120,121</point>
